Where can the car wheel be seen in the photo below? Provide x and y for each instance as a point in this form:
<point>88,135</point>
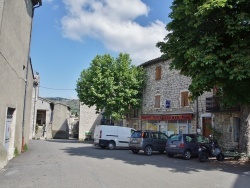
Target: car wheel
<point>220,157</point>
<point>170,155</point>
<point>111,145</point>
<point>202,157</point>
<point>148,150</point>
<point>135,151</point>
<point>187,154</point>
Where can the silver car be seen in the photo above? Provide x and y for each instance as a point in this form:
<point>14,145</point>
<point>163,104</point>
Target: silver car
<point>148,141</point>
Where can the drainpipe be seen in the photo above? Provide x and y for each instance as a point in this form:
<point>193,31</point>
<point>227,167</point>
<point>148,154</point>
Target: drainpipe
<point>197,115</point>
<point>26,77</point>
<point>34,111</point>
<point>24,102</point>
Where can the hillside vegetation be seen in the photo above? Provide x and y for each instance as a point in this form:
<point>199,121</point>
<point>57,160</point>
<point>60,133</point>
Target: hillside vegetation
<point>74,104</point>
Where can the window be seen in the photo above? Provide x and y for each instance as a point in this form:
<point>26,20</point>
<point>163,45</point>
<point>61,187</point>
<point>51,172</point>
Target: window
<point>202,139</point>
<point>175,138</point>
<point>134,113</point>
<point>158,73</point>
<point>184,98</point>
<point>157,101</point>
<point>154,135</point>
<point>236,129</point>
<point>163,136</point>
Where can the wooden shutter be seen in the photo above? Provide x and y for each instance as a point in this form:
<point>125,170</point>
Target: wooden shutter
<point>184,98</point>
<point>157,101</point>
<point>158,73</point>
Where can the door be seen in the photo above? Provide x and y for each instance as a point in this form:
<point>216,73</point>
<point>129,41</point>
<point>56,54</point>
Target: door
<point>124,135</point>
<point>7,133</point>
<point>162,141</point>
<point>206,126</point>
<point>183,129</point>
<point>10,112</point>
<point>155,141</point>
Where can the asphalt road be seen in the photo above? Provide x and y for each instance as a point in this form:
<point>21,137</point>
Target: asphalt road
<point>70,163</point>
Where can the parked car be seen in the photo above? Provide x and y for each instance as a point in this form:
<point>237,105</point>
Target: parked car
<point>109,136</point>
<point>185,144</point>
<point>148,141</point>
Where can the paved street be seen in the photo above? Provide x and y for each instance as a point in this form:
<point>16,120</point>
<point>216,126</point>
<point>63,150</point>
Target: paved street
<point>70,163</point>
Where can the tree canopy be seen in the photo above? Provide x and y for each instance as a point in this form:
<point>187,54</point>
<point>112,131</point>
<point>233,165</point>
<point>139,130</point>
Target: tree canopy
<point>209,41</point>
<point>111,84</point>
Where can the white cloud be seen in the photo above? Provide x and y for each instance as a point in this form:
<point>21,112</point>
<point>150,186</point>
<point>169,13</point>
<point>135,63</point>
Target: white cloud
<point>113,23</point>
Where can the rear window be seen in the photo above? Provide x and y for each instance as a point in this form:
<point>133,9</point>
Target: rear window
<point>175,138</point>
<point>136,134</point>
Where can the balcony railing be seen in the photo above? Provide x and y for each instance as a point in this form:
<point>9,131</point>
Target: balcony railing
<point>213,105</point>
<point>107,122</point>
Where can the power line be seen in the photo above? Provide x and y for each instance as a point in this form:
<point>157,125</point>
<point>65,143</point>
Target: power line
<point>54,88</point>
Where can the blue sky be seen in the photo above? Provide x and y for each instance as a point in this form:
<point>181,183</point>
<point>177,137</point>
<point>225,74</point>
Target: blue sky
<point>68,34</point>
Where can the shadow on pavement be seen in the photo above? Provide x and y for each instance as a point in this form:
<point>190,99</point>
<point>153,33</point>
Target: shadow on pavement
<point>175,164</point>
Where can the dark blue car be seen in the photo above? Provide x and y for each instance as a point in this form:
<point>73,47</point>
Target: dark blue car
<point>186,145</point>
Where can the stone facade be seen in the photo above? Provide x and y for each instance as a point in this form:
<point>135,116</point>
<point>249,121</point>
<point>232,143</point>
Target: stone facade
<point>171,116</point>
<point>16,83</point>
<point>88,120</point>
<point>234,128</point>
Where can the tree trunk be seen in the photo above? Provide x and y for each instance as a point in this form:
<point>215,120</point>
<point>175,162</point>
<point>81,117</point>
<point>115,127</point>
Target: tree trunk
<point>244,141</point>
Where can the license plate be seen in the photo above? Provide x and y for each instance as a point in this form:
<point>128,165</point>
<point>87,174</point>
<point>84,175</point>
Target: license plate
<point>173,146</point>
<point>134,141</point>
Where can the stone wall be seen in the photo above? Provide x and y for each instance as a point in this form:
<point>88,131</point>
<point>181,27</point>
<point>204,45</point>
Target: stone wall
<point>223,123</point>
<point>88,120</point>
<point>169,87</point>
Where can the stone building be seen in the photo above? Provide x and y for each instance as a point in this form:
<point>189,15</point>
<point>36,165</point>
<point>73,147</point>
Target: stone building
<point>60,120</point>
<point>16,83</point>
<point>166,103</point>
<point>52,120</point>
<point>87,122</point>
<point>232,124</point>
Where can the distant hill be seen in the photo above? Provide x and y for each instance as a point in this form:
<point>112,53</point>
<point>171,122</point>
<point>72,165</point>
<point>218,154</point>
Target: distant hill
<point>74,104</point>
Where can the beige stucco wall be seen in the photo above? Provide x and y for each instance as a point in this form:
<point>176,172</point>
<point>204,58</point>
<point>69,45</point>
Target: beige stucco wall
<point>15,31</point>
<point>44,105</point>
<point>34,100</point>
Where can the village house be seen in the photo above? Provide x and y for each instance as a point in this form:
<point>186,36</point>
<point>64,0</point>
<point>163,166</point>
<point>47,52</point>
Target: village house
<point>51,120</point>
<point>16,83</point>
<point>87,122</point>
<point>166,103</point>
<point>231,123</point>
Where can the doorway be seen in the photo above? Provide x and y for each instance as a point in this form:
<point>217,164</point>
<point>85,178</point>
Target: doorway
<point>9,118</point>
<point>206,126</point>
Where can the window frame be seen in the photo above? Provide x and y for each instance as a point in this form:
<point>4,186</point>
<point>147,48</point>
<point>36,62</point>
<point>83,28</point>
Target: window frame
<point>184,102</point>
<point>158,73</point>
<point>157,102</point>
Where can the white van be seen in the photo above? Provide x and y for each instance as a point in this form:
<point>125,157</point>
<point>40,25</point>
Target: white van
<point>109,136</point>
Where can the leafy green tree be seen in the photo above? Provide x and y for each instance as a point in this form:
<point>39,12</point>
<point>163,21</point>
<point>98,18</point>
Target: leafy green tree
<point>111,84</point>
<point>209,41</point>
